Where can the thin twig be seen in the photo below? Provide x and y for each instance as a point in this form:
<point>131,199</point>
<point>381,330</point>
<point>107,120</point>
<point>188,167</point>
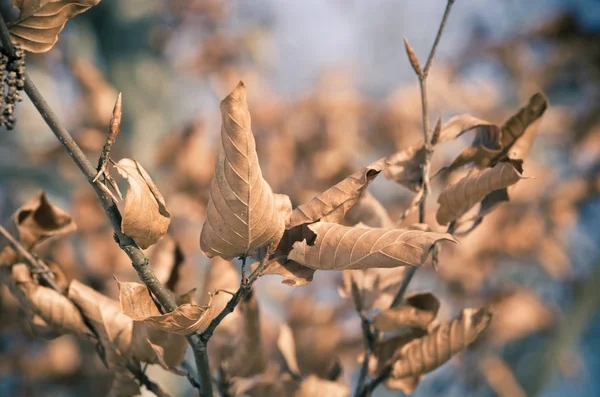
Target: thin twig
<point>34,263</point>
<point>369,340</point>
<point>139,261</point>
<point>428,142</point>
<point>243,290</point>
<point>146,381</point>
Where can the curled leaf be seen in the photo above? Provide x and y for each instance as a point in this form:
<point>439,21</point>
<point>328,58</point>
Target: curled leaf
<point>417,311</point>
<point>40,21</point>
<point>332,204</point>
<point>516,126</point>
<point>122,338</point>
<point>460,124</point>
<point>293,273</point>
<point>485,147</point>
<point>34,222</point>
<point>243,214</point>
<point>405,167</point>
<point>493,143</point>
<point>329,246</point>
<point>145,216</point>
<point>425,354</point>
<point>457,199</point>
<point>137,303</point>
<point>56,310</point>
<point>387,351</point>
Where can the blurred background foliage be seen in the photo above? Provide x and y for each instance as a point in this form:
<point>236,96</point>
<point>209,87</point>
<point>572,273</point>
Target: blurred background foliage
<point>330,89</point>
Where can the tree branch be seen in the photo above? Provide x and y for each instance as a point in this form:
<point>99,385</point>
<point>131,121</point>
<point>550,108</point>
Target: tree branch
<point>139,261</point>
<point>428,142</point>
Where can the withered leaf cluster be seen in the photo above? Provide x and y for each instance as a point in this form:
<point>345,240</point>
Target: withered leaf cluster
<point>243,214</point>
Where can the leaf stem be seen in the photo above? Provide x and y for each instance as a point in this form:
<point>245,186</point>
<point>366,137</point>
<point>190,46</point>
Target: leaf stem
<point>139,261</point>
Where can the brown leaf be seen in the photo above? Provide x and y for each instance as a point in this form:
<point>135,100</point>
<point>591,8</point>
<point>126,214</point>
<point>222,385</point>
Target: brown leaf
<point>457,199</point>
<point>34,222</point>
<point>243,214</point>
<point>122,338</point>
<point>315,386</point>
<point>287,347</point>
<point>485,147</point>
<point>332,204</point>
<point>516,126</point>
<point>417,311</point>
<point>337,247</point>
<point>40,21</point>
<point>425,354</point>
<point>167,259</point>
<point>491,142</point>
<point>293,273</point>
<point>54,309</point>
<point>248,356</point>
<point>405,167</point>
<point>137,303</point>
<point>460,124</point>
<point>145,216</point>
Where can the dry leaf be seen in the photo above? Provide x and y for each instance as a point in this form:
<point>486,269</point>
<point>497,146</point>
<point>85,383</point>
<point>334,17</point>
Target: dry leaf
<point>54,309</point>
<point>457,199</point>
<point>137,303</point>
<point>314,386</point>
<point>122,338</point>
<point>287,347</point>
<point>248,356</point>
<point>34,222</point>
<point>332,204</point>
<point>515,127</point>
<point>417,311</point>
<point>425,354</point>
<point>460,124</point>
<point>243,214</point>
<point>405,167</point>
<point>40,21</point>
<point>484,148</point>
<point>491,142</point>
<point>293,273</point>
<point>145,216</point>
<point>330,246</point>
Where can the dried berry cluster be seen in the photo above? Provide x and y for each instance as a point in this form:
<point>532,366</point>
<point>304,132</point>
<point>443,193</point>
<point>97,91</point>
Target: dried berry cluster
<point>12,80</point>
